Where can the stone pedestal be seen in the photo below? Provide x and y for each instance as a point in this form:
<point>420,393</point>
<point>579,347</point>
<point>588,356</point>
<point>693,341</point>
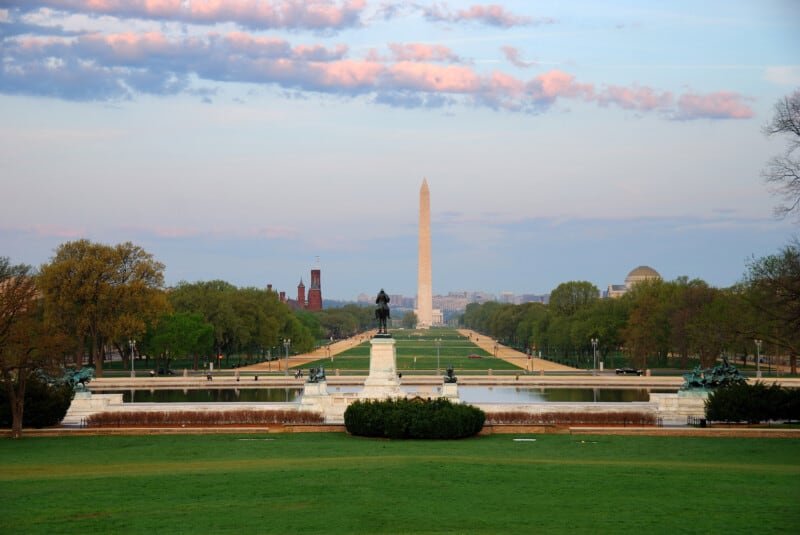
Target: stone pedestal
<point>382,381</point>
<point>450,391</point>
<point>674,409</point>
<point>314,390</point>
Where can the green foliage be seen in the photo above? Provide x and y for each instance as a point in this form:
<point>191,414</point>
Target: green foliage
<point>45,404</point>
<point>413,418</point>
<point>180,335</point>
<point>570,297</point>
<point>103,294</point>
<point>753,403</point>
<point>773,295</point>
<point>409,320</point>
<point>245,320</point>
<point>342,322</point>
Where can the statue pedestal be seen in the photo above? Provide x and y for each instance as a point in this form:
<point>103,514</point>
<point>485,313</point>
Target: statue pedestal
<point>382,381</point>
<point>450,391</point>
<point>315,395</point>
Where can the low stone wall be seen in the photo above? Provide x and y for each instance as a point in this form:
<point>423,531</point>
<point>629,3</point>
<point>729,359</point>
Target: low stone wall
<point>675,409</point>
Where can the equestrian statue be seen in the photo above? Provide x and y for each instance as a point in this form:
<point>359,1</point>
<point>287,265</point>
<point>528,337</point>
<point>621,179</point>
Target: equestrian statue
<point>382,311</point>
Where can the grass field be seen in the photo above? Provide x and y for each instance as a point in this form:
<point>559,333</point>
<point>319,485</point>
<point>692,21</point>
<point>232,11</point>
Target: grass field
<point>417,351</point>
<point>334,483</point>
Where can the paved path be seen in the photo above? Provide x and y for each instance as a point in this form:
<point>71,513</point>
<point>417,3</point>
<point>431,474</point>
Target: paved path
<point>506,353</point>
<point>326,351</point>
<point>513,356</point>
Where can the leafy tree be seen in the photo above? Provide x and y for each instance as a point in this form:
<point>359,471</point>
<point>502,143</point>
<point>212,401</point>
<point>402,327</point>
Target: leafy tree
<point>647,331</point>
<point>409,320</point>
<point>569,297</point>
<point>338,323</point>
<point>244,320</point>
<point>773,284</point>
<point>783,172</point>
<point>102,294</point>
<point>25,343</point>
<point>180,335</point>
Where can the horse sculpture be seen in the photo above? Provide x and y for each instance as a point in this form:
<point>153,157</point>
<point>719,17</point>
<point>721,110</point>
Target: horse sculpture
<point>382,311</point>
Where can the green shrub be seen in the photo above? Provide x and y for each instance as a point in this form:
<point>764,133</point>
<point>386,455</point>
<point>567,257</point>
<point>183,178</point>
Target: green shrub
<point>413,418</point>
<point>45,404</point>
<point>753,403</point>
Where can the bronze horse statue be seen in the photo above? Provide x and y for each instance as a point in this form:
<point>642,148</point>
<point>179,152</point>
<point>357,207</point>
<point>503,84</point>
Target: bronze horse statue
<point>382,311</point>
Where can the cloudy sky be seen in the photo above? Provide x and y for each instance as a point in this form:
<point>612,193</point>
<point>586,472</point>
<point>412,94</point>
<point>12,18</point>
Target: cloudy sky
<point>245,139</point>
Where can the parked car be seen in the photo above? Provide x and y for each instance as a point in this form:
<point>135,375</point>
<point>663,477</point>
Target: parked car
<point>628,371</point>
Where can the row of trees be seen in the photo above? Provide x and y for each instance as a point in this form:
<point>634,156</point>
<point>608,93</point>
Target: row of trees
<point>91,297</point>
<point>682,318</point>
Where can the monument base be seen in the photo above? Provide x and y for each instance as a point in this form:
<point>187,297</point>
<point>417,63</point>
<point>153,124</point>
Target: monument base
<point>382,381</point>
<point>450,392</point>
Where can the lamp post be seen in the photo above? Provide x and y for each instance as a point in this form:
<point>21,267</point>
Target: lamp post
<point>132,343</point>
<point>438,367</point>
<point>594,350</point>
<point>758,358</point>
<point>286,343</point>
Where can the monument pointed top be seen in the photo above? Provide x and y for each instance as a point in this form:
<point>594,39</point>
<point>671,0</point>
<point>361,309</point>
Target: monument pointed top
<point>424,183</point>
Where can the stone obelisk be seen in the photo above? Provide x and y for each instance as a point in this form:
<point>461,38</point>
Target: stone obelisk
<point>424,286</point>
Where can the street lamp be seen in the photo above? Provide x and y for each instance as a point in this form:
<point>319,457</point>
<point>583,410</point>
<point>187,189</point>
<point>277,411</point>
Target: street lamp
<point>758,358</point>
<point>132,343</point>
<point>438,343</point>
<point>594,350</point>
<point>286,343</point>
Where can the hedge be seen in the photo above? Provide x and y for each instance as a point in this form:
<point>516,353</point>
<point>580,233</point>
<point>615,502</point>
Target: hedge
<point>45,404</point>
<point>413,418</point>
<point>753,404</point>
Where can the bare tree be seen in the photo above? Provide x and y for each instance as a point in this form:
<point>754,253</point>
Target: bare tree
<point>782,173</point>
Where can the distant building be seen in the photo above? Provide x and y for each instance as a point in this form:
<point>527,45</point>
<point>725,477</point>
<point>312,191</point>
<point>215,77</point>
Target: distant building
<point>313,302</point>
<point>637,275</point>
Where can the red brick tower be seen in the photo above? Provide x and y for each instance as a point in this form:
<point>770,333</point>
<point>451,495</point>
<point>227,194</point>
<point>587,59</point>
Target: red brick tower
<point>301,294</point>
<point>315,292</point>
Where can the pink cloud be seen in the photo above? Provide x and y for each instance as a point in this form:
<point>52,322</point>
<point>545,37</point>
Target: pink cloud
<point>115,66</point>
<point>348,74</point>
<point>493,15</point>
<point>422,52</point>
<point>49,231</point>
<point>513,56</point>
<point>312,14</point>
<point>554,84</point>
<point>636,98</point>
<point>432,78</point>
<point>719,105</point>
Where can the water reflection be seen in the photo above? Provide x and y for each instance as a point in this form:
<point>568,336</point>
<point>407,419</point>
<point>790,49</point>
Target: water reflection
<point>469,394</point>
<point>209,395</point>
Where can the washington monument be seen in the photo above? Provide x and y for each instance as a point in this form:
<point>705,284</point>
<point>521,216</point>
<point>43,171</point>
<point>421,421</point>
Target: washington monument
<point>424,290</point>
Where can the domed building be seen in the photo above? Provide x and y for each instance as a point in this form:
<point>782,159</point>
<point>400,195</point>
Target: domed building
<point>637,275</point>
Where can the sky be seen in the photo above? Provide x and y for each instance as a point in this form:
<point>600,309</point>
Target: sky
<point>249,140</point>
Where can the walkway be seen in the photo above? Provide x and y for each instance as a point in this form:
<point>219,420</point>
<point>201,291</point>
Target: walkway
<point>517,358</point>
<point>319,353</point>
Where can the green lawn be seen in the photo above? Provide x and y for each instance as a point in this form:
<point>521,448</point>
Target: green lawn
<point>334,483</point>
<point>416,350</point>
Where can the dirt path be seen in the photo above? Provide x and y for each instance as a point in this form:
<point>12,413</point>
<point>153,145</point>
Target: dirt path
<point>322,352</point>
<point>508,354</point>
<point>513,356</point>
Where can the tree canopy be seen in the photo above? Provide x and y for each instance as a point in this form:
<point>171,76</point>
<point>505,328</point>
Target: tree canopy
<point>102,294</point>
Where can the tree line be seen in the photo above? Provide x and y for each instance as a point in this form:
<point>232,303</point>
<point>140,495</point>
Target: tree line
<point>93,299</point>
<point>656,319</point>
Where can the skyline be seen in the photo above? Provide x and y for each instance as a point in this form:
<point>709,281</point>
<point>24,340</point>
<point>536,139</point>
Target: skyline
<point>242,140</point>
